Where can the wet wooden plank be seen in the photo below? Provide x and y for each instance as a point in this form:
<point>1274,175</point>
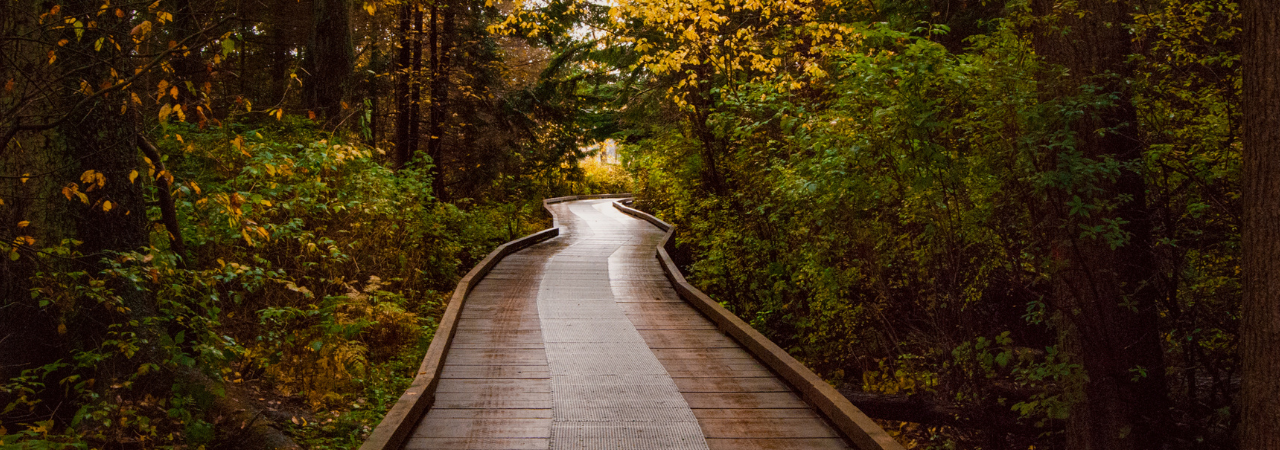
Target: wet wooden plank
<point>503,413</point>
<point>780,413</point>
<point>514,357</point>
<point>766,428</point>
<point>730,384</point>
<point>729,364</point>
<point>477,444</point>
<point>516,323</point>
<point>658,308</point>
<point>701,353</point>
<point>713,370</point>
<point>498,399</point>
<point>776,444</point>
<point>686,339</point>
<point>490,384</point>
<point>455,371</point>
<point>743,400</point>
<point>485,427</point>
<point>652,323</point>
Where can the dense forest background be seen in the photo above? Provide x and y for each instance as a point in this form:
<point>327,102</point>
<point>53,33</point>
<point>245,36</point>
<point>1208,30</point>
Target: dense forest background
<point>996,225</point>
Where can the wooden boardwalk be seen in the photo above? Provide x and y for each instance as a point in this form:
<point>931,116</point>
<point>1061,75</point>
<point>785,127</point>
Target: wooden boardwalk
<point>581,342</point>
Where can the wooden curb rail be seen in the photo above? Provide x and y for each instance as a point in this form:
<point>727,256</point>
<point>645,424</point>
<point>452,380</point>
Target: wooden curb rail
<point>404,415</point>
<point>851,422</point>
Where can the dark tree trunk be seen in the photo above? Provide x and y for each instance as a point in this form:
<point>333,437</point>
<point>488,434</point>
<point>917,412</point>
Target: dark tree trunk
<point>101,139</point>
<point>415,85</point>
<point>168,211</point>
<point>187,67</point>
<point>373,92</point>
<point>404,112</point>
<point>1260,314</point>
<point>1108,294</point>
<point>441,47</point>
<point>330,57</point>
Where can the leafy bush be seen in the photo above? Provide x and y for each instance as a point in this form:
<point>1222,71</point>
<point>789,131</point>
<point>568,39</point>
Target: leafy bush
<point>313,271</point>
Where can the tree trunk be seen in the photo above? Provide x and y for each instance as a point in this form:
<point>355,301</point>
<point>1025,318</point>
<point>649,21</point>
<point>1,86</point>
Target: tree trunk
<point>188,67</point>
<point>114,219</point>
<point>1108,293</point>
<point>712,146</point>
<point>1260,314</point>
<point>330,57</point>
<point>441,46</point>
<point>404,112</point>
<point>415,84</point>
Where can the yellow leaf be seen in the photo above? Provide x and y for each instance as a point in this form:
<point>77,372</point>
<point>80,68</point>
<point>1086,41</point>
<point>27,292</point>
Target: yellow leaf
<point>83,198</point>
<point>280,114</point>
<point>24,223</point>
<point>87,176</point>
<point>173,92</point>
<point>25,177</point>
<point>179,138</point>
<point>133,174</point>
<point>29,240</point>
<point>165,111</point>
<point>239,143</point>
<point>370,8</point>
<point>266,203</point>
<point>106,206</point>
<point>194,187</point>
<point>245,232</point>
<point>689,34</point>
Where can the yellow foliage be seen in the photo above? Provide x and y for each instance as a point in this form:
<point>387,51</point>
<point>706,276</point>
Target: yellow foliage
<point>322,364</point>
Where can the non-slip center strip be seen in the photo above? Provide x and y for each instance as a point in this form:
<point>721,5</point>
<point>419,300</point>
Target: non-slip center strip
<point>608,390</point>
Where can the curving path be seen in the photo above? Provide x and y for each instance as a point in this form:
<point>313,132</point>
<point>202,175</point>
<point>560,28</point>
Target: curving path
<point>580,342</point>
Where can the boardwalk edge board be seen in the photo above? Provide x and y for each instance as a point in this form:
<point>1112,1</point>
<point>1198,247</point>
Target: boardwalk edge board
<point>848,419</point>
<point>400,420</point>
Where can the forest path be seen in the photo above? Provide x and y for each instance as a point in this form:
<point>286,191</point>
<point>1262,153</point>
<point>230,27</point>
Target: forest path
<point>581,342</point>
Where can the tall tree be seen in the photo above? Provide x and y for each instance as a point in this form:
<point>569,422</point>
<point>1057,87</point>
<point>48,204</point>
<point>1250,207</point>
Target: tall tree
<point>405,113</point>
<point>330,57</point>
<point>441,47</point>
<point>415,85</point>
<point>1105,283</point>
<point>1260,314</point>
